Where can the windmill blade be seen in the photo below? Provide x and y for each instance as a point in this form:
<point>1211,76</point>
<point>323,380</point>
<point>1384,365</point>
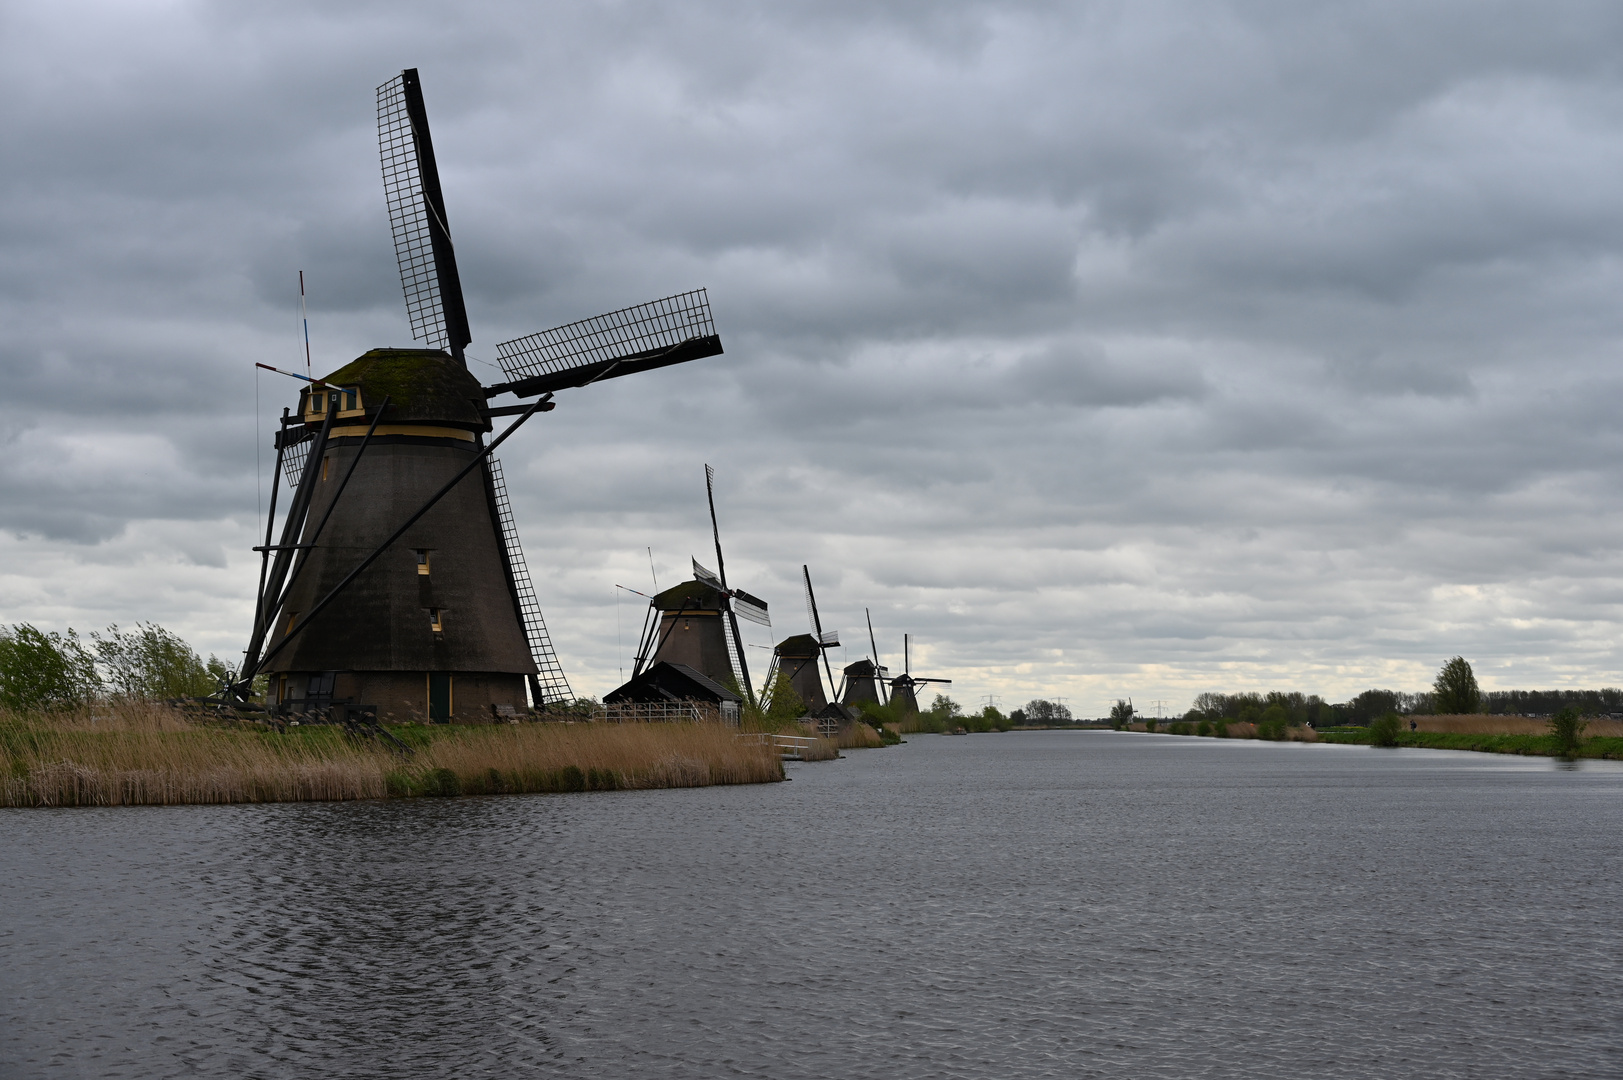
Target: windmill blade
<point>829,639</point>
<point>672,330</point>
<point>422,240</point>
<point>705,577</point>
<point>296,442</point>
<point>751,608</point>
<point>550,684</point>
<point>817,625</point>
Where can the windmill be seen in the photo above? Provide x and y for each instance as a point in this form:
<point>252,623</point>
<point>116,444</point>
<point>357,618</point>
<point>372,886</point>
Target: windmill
<point>865,679</point>
<point>696,623</point>
<point>398,579</point>
<point>901,687</point>
<point>796,657</point>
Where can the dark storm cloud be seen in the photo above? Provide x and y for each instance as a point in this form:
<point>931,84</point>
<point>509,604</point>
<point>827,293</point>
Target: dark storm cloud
<point>1109,348</point>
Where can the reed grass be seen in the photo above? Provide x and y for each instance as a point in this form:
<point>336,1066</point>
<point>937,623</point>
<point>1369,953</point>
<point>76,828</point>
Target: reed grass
<point>821,750</point>
<point>1482,724</point>
<point>152,755</point>
<point>859,737</point>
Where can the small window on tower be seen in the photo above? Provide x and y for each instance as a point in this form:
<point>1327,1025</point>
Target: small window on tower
<point>422,562</point>
<point>326,464</point>
<point>318,402</point>
<point>292,617</point>
<point>435,622</point>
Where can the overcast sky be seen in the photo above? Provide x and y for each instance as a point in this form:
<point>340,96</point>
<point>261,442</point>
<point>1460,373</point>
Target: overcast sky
<point>1109,349</point>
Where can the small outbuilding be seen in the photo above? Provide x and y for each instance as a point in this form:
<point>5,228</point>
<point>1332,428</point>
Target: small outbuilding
<point>671,684</point>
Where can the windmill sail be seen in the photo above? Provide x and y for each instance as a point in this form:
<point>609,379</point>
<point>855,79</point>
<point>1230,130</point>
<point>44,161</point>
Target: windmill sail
<point>297,443</point>
<point>707,577</point>
<point>422,240</point>
<point>750,607</point>
<point>657,334</point>
<point>550,674</point>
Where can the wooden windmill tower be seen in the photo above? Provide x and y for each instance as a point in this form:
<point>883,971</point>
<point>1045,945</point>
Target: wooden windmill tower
<point>902,687</point>
<point>398,581</point>
<point>695,624</point>
<point>797,657</point>
<point>865,680</point>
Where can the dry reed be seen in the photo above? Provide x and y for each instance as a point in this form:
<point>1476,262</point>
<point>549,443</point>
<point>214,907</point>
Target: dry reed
<point>821,750</point>
<point>858,737</point>
<point>1483,724</point>
<point>152,755</point>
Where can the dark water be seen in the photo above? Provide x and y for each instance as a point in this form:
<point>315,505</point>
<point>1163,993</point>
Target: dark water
<point>1022,905</point>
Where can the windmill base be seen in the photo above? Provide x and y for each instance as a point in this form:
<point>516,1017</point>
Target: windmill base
<point>455,697</point>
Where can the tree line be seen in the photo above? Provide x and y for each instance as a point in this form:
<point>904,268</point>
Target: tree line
<point>41,670</point>
<point>1454,692</point>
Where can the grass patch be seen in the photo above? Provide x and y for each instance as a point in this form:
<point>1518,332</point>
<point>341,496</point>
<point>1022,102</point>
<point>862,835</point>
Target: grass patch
<point>153,755</point>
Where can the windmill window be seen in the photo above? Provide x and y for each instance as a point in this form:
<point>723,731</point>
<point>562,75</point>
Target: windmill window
<point>326,463</point>
<point>436,622</point>
<point>318,402</point>
<point>422,562</point>
<point>292,617</point>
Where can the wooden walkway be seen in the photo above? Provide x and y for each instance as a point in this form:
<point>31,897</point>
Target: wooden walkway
<point>789,746</point>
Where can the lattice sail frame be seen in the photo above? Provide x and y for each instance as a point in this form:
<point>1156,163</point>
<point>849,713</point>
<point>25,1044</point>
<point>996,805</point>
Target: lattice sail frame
<point>636,330</point>
<point>549,672</point>
<point>409,216</point>
<point>293,458</point>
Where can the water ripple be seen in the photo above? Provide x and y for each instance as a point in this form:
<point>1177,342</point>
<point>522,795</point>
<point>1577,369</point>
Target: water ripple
<point>1026,905</point>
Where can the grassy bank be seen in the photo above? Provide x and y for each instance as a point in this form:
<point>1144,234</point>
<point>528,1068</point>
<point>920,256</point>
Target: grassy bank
<point>152,755</point>
<point>1604,746</point>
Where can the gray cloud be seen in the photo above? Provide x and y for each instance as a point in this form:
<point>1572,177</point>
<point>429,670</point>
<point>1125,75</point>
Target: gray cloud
<point>1108,348</point>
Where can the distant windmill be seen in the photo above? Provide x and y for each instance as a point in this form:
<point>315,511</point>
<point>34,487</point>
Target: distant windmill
<point>865,679</point>
<point>797,657</point>
<point>395,583</point>
<point>901,687</point>
<point>696,623</point>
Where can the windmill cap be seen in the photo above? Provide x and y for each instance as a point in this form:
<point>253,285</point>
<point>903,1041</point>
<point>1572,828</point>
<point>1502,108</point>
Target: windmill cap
<point>695,596</point>
<point>798,647</point>
<point>421,385</point>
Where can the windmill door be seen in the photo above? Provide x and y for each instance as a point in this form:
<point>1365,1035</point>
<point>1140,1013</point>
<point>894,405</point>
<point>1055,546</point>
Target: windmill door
<point>439,697</point>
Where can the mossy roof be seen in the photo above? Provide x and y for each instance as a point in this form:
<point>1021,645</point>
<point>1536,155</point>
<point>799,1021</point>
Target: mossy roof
<point>421,384</point>
<point>693,595</point>
<point>799,646</point>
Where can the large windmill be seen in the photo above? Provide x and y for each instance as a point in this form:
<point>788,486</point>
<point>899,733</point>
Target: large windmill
<point>398,580</point>
<point>901,687</point>
<point>696,623</point>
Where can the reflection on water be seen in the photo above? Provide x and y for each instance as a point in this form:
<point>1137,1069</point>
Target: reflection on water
<point>1021,905</point>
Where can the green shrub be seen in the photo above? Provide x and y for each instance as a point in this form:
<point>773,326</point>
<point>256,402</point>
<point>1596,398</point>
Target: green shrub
<point>1205,728</point>
<point>1180,728</point>
<point>1384,731</point>
<point>40,670</point>
<point>442,782</point>
<point>1221,729</point>
<point>152,663</point>
<point>1568,730</point>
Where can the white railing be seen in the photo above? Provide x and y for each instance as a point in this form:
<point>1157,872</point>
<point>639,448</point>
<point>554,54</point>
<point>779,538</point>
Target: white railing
<point>663,712</point>
<point>785,744</point>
